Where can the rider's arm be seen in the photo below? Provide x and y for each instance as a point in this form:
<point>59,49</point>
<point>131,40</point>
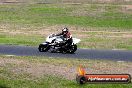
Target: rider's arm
<point>69,36</point>
<point>58,34</point>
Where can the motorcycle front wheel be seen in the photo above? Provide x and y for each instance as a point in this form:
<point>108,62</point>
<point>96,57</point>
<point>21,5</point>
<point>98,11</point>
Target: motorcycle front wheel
<point>43,48</point>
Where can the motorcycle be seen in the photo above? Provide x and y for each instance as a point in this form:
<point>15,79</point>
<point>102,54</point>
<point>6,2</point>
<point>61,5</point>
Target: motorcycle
<point>56,44</point>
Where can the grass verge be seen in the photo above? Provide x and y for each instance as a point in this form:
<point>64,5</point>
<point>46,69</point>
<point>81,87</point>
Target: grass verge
<point>54,82</point>
<point>92,15</point>
<point>39,72</point>
<point>20,40</point>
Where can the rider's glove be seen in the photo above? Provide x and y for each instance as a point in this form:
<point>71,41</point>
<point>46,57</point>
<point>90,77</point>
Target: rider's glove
<point>53,35</point>
<point>66,39</point>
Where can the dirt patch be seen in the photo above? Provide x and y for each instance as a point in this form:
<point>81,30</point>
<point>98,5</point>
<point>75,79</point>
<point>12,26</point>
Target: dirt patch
<point>11,1</point>
<point>126,9</point>
<point>46,30</point>
<point>37,69</point>
<point>127,36</point>
<point>96,1</point>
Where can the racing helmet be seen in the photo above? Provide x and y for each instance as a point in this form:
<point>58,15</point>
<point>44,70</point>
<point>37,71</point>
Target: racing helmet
<point>65,30</point>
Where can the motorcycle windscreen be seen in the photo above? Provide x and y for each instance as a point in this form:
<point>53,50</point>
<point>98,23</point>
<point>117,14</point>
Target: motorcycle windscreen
<point>48,39</point>
<point>44,43</point>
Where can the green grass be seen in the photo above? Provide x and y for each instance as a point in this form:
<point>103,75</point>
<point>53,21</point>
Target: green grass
<point>54,82</point>
<point>124,46</point>
<point>38,15</point>
<point>20,40</point>
<point>106,40</point>
<point>91,21</point>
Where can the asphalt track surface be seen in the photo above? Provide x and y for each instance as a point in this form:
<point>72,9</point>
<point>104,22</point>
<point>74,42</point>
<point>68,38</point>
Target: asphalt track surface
<point>117,55</point>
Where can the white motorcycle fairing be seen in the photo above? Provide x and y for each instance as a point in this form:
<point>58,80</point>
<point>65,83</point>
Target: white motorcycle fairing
<point>75,40</point>
<point>57,42</point>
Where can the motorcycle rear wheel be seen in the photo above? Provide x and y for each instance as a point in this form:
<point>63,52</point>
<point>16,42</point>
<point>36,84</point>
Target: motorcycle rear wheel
<point>72,49</point>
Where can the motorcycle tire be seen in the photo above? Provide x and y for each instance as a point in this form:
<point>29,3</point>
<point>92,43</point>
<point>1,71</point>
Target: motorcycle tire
<point>43,48</point>
<point>72,49</point>
<point>80,79</point>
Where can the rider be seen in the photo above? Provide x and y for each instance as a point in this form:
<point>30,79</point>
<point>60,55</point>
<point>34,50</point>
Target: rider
<point>66,35</point>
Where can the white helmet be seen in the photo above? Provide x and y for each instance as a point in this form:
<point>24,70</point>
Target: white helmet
<point>65,29</point>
